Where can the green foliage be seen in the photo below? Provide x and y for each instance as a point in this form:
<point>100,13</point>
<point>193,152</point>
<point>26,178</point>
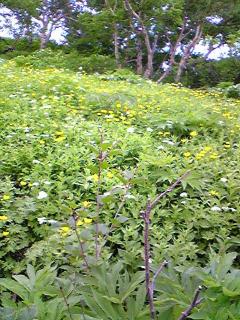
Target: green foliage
<point>212,73</point>
<point>233,91</point>
<point>72,61</point>
<point>113,291</point>
<point>49,150</point>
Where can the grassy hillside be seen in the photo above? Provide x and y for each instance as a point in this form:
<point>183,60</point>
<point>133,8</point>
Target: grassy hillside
<point>54,124</point>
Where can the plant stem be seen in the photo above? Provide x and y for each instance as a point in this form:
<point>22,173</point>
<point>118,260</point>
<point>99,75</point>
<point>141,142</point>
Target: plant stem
<point>147,250</point>
<point>66,302</point>
<point>195,302</point>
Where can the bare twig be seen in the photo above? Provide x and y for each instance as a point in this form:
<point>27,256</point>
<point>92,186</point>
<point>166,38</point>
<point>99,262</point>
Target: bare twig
<point>195,302</point>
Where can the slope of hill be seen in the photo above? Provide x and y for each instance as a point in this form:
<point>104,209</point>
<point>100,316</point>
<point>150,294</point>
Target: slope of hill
<point>54,126</point>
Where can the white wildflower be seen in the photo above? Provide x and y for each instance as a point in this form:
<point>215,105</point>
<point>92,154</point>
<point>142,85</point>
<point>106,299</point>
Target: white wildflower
<point>42,220</point>
<point>130,130</point>
<point>35,161</point>
<point>183,194</point>
<point>149,129</point>
<point>224,180</point>
<point>216,208</point>
<point>171,143</point>
<point>42,195</point>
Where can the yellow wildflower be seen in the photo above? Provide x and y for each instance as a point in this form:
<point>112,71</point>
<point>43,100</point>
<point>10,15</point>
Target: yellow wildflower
<point>79,223</point>
<point>6,197</point>
<point>59,139</point>
<point>41,141</point>
<point>3,218</point>
<point>109,175</point>
<point>214,193</point>
<point>87,220</point>
<point>213,155</point>
<point>64,231</point>
<point>5,233</point>
<point>193,134</point>
<point>59,133</point>
<point>187,154</point>
<point>23,183</point>
<point>207,148</point>
<point>86,204</point>
<point>95,177</point>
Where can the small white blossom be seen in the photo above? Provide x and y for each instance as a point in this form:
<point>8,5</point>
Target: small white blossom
<point>42,220</point>
<point>130,130</point>
<point>183,194</point>
<point>171,143</point>
<point>228,209</point>
<point>149,129</point>
<point>47,182</point>
<point>224,180</point>
<point>42,195</point>
<point>35,184</point>
<point>216,208</point>
<point>35,161</point>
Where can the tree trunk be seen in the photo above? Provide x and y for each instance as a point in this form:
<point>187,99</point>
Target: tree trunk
<point>187,53</point>
<point>149,69</point>
<point>139,60</point>
<point>116,48</point>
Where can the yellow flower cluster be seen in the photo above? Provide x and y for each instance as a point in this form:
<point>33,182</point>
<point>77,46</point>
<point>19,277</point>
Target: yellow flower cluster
<point>3,218</point>
<point>59,136</point>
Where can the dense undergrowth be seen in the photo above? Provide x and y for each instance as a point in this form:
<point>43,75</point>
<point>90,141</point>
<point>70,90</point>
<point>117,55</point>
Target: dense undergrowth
<point>55,188</point>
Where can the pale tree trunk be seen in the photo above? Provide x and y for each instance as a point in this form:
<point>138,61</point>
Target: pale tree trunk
<point>187,53</point>
<point>139,59</point>
<point>151,47</point>
<point>173,50</point>
<point>116,47</point>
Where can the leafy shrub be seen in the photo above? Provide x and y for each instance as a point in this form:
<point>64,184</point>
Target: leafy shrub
<point>233,91</point>
<point>57,59</point>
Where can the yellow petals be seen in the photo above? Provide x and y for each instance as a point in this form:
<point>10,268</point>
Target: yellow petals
<point>187,154</point>
<point>3,218</point>
<point>109,175</point>
<point>214,193</point>
<point>5,197</point>
<point>87,220</point>
<point>59,139</point>
<point>41,142</point>
<point>86,204</point>
<point>23,183</point>
<point>59,133</point>
<point>64,231</point>
<point>95,178</point>
<point>5,233</point>
<point>193,134</point>
<point>79,223</point>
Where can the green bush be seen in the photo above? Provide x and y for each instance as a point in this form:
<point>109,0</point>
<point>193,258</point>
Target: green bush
<point>48,58</point>
<point>233,91</point>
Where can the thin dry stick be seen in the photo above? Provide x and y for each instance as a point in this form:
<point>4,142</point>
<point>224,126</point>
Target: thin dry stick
<point>146,217</point>
<point>195,302</point>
